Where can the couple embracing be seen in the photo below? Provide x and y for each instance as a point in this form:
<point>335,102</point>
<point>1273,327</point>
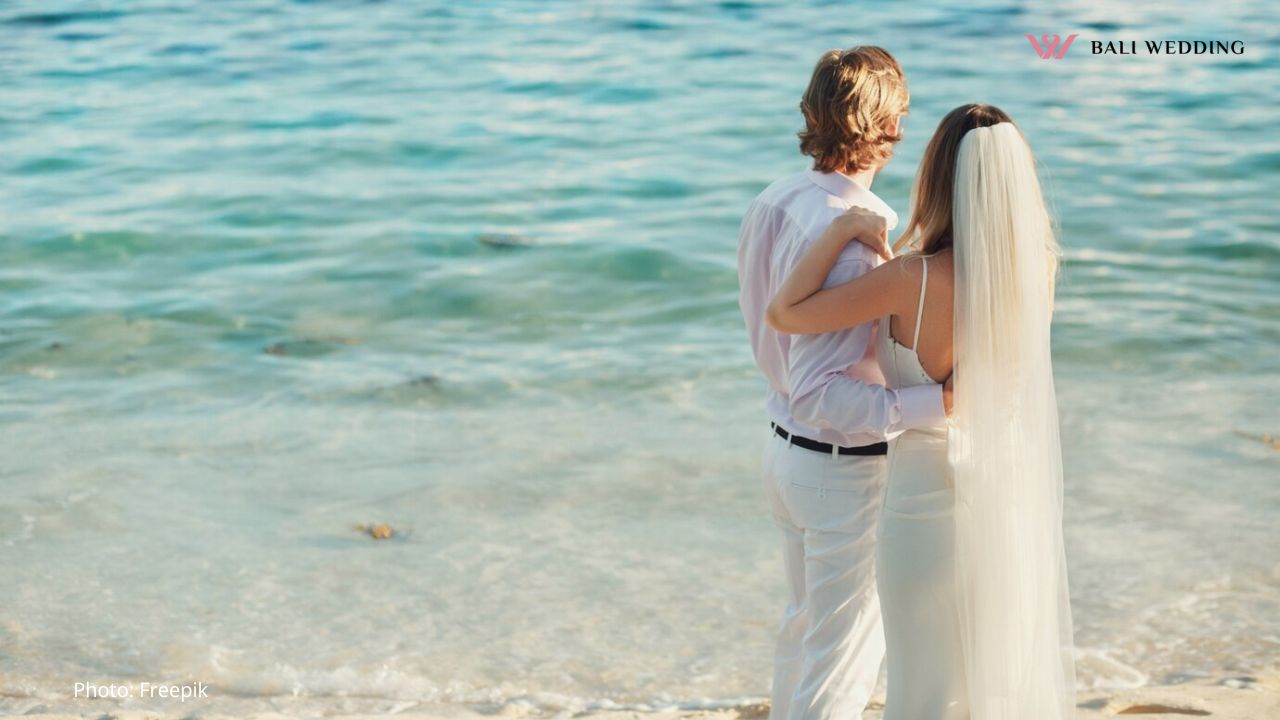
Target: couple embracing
<point>913,462</point>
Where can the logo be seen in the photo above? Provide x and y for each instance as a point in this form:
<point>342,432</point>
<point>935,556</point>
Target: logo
<point>1053,47</point>
<point>1045,46</point>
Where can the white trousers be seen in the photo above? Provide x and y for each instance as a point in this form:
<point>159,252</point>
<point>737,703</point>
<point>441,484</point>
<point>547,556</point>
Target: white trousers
<point>831,642</point>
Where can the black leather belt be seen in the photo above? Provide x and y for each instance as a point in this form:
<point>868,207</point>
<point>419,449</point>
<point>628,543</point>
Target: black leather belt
<point>879,448</point>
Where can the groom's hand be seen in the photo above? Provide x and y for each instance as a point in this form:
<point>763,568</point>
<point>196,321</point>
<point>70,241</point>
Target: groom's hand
<point>866,227</point>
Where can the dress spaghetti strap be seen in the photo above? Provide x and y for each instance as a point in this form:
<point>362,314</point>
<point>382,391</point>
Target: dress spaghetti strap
<point>924,283</point>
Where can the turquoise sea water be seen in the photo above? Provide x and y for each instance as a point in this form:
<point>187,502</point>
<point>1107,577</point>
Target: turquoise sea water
<point>272,269</point>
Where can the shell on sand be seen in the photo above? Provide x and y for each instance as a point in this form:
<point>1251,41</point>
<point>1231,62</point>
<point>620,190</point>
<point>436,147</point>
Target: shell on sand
<point>377,531</point>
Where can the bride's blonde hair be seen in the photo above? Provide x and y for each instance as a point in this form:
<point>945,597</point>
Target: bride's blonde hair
<point>933,196</point>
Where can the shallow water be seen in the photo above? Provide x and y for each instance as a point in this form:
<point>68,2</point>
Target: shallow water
<point>270,269</point>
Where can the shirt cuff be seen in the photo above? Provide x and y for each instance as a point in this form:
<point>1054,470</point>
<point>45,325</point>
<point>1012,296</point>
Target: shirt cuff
<point>921,406</point>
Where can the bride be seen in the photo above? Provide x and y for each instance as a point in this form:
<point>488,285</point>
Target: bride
<point>970,562</point>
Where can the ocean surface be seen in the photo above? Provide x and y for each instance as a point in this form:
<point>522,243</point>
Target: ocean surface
<point>270,270</point>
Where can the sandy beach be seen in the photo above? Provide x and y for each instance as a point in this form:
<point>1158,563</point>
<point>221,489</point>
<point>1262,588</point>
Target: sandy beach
<point>1224,697</point>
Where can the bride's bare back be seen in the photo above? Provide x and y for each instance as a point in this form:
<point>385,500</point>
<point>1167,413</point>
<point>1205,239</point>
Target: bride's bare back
<point>936,351</point>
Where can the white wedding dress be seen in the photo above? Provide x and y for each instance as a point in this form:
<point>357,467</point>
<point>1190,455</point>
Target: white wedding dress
<point>915,555</point>
<point>971,564</point>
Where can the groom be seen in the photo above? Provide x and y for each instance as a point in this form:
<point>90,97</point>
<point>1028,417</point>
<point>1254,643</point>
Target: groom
<point>824,466</point>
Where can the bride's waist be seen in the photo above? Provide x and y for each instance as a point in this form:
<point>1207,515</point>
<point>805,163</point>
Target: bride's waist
<point>918,467</point>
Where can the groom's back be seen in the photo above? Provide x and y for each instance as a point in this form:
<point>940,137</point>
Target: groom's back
<point>779,225</point>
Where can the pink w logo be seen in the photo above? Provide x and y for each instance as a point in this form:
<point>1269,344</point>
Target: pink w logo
<point>1045,47</point>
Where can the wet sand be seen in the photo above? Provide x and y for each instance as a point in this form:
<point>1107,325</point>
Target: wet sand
<point>1226,697</point>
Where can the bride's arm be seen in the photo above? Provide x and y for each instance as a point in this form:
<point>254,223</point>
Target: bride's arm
<point>801,306</point>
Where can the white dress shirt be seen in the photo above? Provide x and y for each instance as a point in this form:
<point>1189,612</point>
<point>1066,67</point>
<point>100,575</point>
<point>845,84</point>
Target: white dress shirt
<point>826,387</point>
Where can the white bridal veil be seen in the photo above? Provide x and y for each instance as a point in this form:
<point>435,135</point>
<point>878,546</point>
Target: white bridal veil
<point>1004,445</point>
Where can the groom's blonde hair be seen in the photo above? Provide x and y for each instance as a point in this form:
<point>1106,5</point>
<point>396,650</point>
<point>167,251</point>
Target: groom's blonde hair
<point>852,100</point>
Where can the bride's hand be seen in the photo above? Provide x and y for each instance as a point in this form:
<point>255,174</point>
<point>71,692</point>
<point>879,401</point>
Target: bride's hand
<point>864,226</point>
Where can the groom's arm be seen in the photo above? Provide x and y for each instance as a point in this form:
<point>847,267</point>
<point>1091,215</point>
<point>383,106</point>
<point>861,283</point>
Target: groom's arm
<point>823,396</point>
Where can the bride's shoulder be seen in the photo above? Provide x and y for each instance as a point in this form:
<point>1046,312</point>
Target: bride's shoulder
<point>901,267</point>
